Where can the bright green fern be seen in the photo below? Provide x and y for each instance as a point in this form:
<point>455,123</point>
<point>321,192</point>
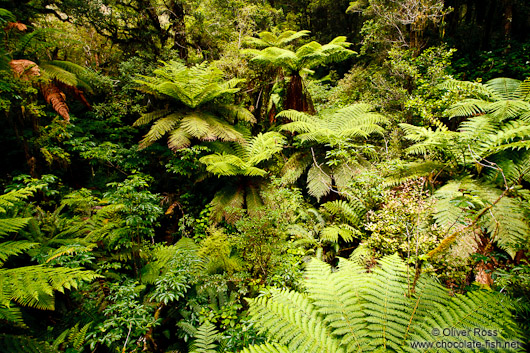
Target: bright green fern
<point>351,310</point>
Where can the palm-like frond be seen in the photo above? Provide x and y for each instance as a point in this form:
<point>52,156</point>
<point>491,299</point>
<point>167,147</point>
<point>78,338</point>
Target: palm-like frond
<point>352,211</point>
<point>245,160</point>
<point>275,57</point>
<point>227,202</point>
<point>66,72</point>
<point>350,122</point>
<point>269,39</point>
<point>319,181</point>
<point>295,166</point>
<point>305,57</point>
<point>292,320</point>
<point>12,225</point>
<point>501,98</point>
<point>198,89</point>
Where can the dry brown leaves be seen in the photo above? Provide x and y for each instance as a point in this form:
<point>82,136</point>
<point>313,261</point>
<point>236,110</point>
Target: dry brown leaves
<point>17,25</point>
<point>56,98</point>
<point>24,69</point>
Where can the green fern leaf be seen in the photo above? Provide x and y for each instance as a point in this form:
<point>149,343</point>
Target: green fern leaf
<point>205,338</point>
<point>33,286</point>
<point>319,182</point>
<point>10,248</point>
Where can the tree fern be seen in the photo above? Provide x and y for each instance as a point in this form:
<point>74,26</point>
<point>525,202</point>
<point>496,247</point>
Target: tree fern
<point>270,39</point>
<point>350,310</point>
<point>329,129</point>
<point>297,63</point>
<point>242,161</point>
<point>201,115</point>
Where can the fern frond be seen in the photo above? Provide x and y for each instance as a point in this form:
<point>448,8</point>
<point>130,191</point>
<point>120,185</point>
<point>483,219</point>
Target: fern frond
<point>471,88</point>
<point>263,146</point>
<point>235,113</point>
<point>10,248</point>
<point>12,225</point>
<point>274,56</point>
<point>505,88</point>
<point>334,232</point>
<point>149,117</point>
<point>505,222</point>
<point>226,202</point>
<point>352,211</point>
<point>33,286</point>
<point>319,181</point>
<point>224,164</point>
<point>178,139</point>
<point>295,166</point>
<point>12,315</point>
<point>69,249</point>
<point>291,320</point>
<point>267,348</point>
<point>161,127</point>
<point>205,339</point>
<point>341,311</point>
<point>468,107</point>
<point>9,199</point>
<point>374,312</point>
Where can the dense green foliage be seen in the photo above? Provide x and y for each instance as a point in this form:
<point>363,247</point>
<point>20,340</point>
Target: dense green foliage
<point>264,176</point>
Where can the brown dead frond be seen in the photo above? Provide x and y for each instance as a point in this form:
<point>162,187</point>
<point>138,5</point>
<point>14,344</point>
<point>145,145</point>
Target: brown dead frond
<point>17,25</point>
<point>56,98</point>
<point>24,69</point>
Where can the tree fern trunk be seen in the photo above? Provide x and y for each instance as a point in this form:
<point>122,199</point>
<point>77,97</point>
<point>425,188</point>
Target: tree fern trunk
<point>297,96</point>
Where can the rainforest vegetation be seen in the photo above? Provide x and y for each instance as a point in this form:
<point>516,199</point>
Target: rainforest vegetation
<point>264,176</point>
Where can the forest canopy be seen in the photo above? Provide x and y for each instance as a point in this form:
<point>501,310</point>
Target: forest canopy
<point>264,176</point>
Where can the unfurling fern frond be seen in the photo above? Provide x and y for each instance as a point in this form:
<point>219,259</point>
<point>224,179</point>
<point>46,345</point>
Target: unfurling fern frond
<point>350,310</point>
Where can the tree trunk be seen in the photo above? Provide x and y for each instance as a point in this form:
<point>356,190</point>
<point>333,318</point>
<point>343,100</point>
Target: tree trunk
<point>297,97</point>
<point>176,16</point>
